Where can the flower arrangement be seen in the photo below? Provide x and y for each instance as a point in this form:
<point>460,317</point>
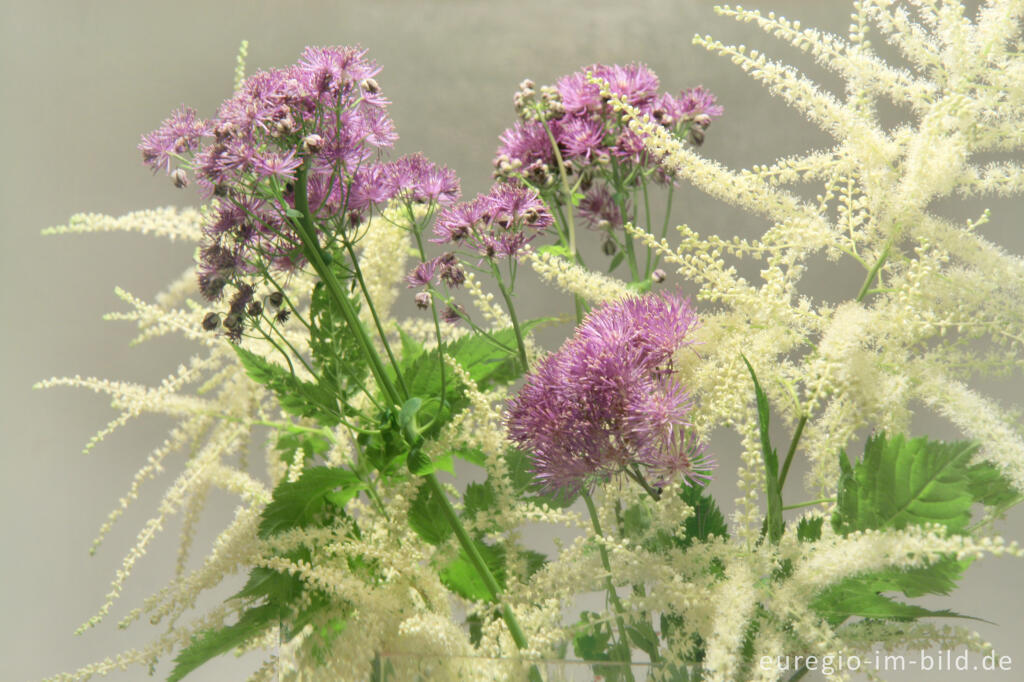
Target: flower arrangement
<point>404,457</point>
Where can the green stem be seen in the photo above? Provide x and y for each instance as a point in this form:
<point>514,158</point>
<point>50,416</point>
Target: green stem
<point>627,239</point>
<point>808,504</point>
<point>792,450</point>
<point>469,547</point>
<point>512,315</point>
<point>636,475</point>
<point>570,225</point>
<point>304,228</point>
<point>613,596</point>
<point>873,272</point>
<point>376,319</point>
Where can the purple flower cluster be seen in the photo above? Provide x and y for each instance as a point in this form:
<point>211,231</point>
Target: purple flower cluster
<point>325,112</point>
<point>608,400</point>
<point>494,225</point>
<point>586,129</point>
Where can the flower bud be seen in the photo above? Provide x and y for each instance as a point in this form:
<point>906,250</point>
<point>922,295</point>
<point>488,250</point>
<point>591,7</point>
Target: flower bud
<point>275,299</point>
<point>255,309</point>
<point>370,86</point>
<point>233,322</point>
<point>609,247</point>
<point>311,144</point>
<point>423,300</point>
<point>211,321</point>
<point>658,276</point>
<point>180,178</point>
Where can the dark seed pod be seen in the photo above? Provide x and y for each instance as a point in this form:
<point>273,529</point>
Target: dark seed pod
<point>275,299</point>
<point>211,321</point>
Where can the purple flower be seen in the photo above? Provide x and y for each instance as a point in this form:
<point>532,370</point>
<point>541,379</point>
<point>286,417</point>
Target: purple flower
<point>697,101</point>
<point>607,399</point>
<point>279,166</point>
<point>581,138</point>
<point>178,135</point>
<point>496,225</point>
<point>597,206</point>
<point>527,143</point>
<point>578,94</point>
<point>416,179</point>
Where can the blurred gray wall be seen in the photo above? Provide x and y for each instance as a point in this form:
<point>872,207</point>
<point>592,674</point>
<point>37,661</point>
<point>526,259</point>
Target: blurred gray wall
<point>82,80</point>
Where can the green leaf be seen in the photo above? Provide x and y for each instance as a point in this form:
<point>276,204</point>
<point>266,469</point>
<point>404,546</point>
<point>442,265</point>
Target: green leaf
<point>592,638</point>
<point>773,520</point>
<point>335,348</point>
<point>851,598</point>
<point>988,487</point>
<point>479,497</point>
<point>217,641</point>
<point>809,528</point>
<point>461,577</point>
<point>297,503</point>
<point>707,520</point>
<point>301,398</point>
<point>644,638</point>
<point>556,250</point>
<point>907,482</point>
<point>426,517</point>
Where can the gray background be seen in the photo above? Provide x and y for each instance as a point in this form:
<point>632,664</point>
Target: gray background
<point>82,81</point>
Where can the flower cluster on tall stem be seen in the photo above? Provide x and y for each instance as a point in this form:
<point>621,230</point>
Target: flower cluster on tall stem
<point>607,402</point>
<point>571,145</point>
<point>324,116</point>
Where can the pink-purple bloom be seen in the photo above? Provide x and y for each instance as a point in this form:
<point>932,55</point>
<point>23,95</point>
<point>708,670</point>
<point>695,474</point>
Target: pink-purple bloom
<point>325,117</point>
<point>608,400</point>
<point>497,224</point>
<point>588,131</point>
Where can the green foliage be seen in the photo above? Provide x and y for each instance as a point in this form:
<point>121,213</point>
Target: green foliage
<point>706,521</point>
<point>426,517</point>
<point>462,578</point>
<point>809,528</point>
<point>904,482</point>
<point>217,641</point>
<point>337,357</point>
<point>297,397</point>
<point>298,503</point>
<point>900,483</point>
<point>773,520</point>
<point>310,445</point>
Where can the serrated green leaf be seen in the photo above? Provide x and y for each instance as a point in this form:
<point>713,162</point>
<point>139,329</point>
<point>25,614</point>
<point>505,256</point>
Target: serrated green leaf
<point>335,348</point>
<point>707,520</point>
<point>426,517</point>
<point>461,577</point>
<point>295,504</point>
<point>851,599</point>
<point>809,528</point>
<point>989,487</point>
<point>301,398</point>
<point>907,482</point>
<point>479,497</point>
<point>217,641</point>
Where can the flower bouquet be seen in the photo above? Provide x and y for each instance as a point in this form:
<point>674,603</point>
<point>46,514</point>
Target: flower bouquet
<point>407,457</point>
